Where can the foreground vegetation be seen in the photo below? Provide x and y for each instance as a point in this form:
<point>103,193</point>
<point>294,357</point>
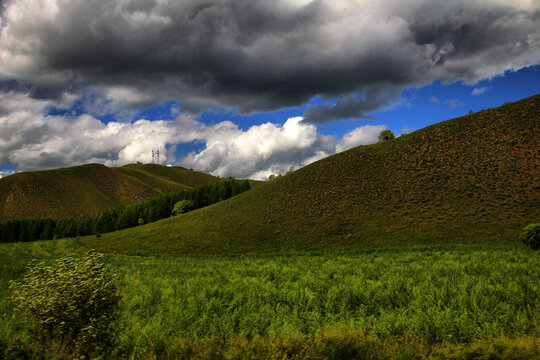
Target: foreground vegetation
<point>438,302</point>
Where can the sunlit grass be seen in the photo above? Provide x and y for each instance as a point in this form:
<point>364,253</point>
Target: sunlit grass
<point>436,296</point>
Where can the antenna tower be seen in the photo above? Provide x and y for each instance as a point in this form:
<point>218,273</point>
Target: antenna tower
<point>155,156</point>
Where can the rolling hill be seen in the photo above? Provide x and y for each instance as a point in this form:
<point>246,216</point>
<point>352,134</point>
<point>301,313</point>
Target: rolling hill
<point>166,179</point>
<point>88,189</point>
<point>473,179</point>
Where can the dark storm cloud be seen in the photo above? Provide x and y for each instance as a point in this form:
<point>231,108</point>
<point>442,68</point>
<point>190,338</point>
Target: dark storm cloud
<point>262,55</point>
<point>352,106</point>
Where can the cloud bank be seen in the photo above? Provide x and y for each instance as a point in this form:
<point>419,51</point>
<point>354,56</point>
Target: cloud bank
<point>262,55</point>
<point>34,140</point>
<point>270,149</point>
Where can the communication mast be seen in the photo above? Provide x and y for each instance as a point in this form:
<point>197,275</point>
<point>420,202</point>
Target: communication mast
<point>155,156</point>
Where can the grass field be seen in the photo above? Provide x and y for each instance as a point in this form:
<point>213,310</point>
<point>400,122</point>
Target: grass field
<point>429,301</point>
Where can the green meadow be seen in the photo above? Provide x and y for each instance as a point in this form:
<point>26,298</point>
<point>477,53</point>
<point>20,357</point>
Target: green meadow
<point>420,302</point>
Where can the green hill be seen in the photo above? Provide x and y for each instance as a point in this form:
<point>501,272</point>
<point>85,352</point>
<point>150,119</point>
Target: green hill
<point>88,189</point>
<point>473,179</point>
<point>166,179</point>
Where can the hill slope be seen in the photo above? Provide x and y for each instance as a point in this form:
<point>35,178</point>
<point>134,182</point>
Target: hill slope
<point>473,179</point>
<point>166,179</point>
<point>88,189</point>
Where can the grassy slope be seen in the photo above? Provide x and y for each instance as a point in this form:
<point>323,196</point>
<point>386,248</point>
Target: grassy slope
<point>174,178</point>
<point>85,190</point>
<point>166,179</point>
<point>473,179</point>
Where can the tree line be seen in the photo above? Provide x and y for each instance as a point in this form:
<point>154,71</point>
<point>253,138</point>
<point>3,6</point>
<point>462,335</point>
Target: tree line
<point>110,220</point>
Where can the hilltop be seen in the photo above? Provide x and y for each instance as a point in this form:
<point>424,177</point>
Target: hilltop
<point>473,179</point>
<point>88,189</point>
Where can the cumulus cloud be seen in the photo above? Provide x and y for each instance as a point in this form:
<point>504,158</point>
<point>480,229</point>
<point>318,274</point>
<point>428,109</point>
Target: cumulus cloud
<point>479,91</point>
<point>271,149</point>
<point>364,135</point>
<point>261,55</point>
<point>34,140</point>
<point>433,99</point>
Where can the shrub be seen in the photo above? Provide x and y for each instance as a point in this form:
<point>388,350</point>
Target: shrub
<point>530,236</point>
<point>70,303</point>
<point>182,206</point>
<point>386,135</point>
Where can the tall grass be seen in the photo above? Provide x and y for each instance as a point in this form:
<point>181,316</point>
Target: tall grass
<point>438,297</point>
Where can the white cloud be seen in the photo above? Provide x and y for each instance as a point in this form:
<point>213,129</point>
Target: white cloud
<point>360,136</point>
<point>33,140</point>
<point>269,148</point>
<point>478,91</point>
<point>433,99</point>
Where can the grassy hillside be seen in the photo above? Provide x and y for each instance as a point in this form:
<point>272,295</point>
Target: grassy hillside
<point>166,179</point>
<point>86,190</point>
<point>473,179</point>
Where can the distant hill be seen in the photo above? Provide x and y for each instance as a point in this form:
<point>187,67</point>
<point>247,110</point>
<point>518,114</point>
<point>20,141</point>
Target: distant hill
<point>166,179</point>
<point>88,189</point>
<point>473,179</point>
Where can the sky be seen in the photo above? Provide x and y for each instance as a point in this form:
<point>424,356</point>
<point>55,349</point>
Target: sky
<point>248,88</point>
